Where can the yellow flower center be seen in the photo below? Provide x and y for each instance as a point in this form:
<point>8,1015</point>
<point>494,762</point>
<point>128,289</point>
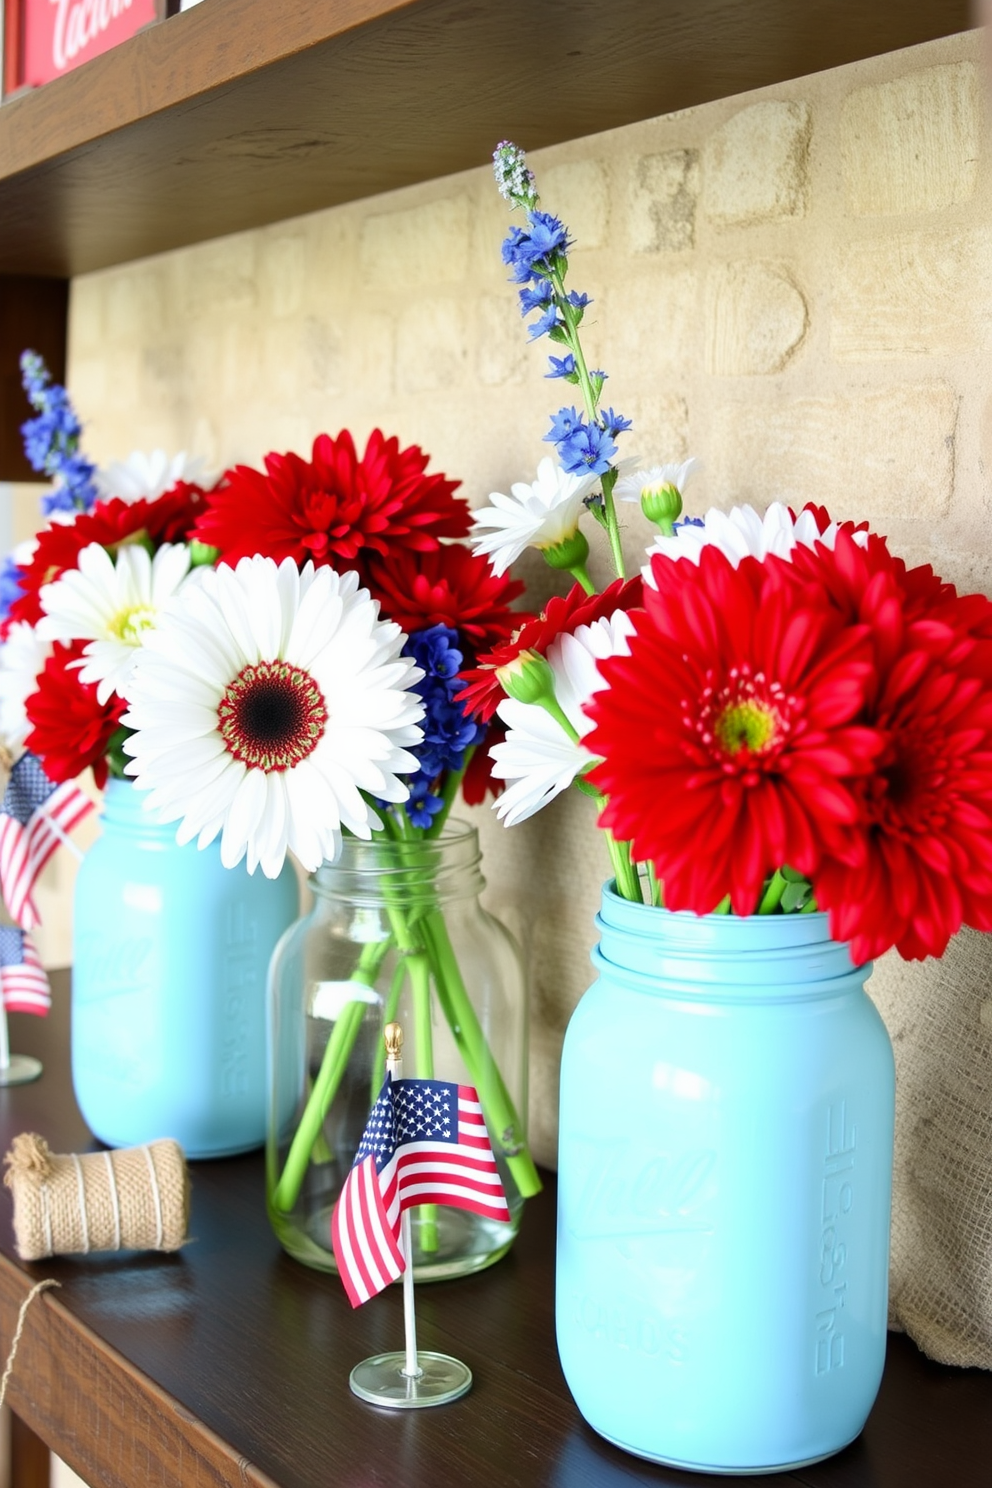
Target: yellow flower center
<point>746,724</point>
<point>129,625</point>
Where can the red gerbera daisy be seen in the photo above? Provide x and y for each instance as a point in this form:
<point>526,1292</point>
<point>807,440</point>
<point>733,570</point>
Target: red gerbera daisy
<point>70,728</point>
<point>452,586</point>
<point>334,508</point>
<point>727,734</point>
<point>924,865</point>
<point>483,692</point>
<point>110,523</point>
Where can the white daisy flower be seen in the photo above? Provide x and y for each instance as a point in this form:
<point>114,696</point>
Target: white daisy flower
<point>22,656</point>
<point>633,487</point>
<point>537,756</point>
<point>743,532</point>
<point>539,515</point>
<point>266,701</point>
<point>112,604</point>
<point>147,476</point>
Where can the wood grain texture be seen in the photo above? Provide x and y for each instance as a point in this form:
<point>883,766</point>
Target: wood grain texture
<point>33,314</point>
<point>30,1459</point>
<point>227,1364</point>
<point>241,112</point>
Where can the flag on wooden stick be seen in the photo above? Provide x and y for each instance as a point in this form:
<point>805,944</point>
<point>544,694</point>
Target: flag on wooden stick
<point>36,815</point>
<point>425,1143</point>
<point>23,984</point>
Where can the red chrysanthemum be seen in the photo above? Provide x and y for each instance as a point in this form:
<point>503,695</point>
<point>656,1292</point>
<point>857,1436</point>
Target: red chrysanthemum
<point>334,508</point>
<point>70,729</point>
<point>452,586</point>
<point>924,865</point>
<point>483,693</point>
<point>168,518</point>
<point>727,736</point>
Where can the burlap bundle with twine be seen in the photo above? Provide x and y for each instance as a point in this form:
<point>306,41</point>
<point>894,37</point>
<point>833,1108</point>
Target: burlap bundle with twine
<point>939,1016</point>
<point>136,1198</point>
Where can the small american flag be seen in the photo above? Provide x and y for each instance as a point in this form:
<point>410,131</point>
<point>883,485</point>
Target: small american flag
<point>23,984</point>
<point>425,1143</point>
<point>35,815</point>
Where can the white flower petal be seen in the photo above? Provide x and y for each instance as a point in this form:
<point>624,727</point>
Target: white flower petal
<point>227,769</point>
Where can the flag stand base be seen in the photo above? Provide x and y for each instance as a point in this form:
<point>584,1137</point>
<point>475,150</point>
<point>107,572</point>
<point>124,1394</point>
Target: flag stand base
<point>381,1380</point>
<point>20,1070</point>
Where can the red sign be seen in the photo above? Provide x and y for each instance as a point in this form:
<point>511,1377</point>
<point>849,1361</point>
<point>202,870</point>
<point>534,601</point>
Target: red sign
<point>53,36</point>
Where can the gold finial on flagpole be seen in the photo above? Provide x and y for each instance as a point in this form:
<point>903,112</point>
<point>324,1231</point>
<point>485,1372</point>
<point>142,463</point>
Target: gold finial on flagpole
<point>394,1040</point>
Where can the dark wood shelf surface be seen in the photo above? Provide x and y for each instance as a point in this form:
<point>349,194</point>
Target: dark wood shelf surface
<point>228,1363</point>
<point>244,112</point>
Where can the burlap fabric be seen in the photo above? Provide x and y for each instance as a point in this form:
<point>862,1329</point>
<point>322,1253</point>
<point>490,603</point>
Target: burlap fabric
<point>136,1198</point>
<point>939,1016</point>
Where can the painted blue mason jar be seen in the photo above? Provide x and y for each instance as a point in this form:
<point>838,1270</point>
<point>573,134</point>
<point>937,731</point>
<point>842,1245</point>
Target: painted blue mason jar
<point>725,1174</point>
<point>170,955</point>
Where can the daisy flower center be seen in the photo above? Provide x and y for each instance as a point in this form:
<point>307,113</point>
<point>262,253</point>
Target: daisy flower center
<point>747,719</point>
<point>272,715</point>
<point>129,625</point>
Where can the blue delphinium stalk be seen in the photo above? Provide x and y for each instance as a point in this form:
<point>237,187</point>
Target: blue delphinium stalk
<point>537,257</point>
<point>51,440</point>
<point>449,732</point>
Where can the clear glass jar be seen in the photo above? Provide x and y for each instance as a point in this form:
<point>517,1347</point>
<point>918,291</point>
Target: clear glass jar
<point>396,934</point>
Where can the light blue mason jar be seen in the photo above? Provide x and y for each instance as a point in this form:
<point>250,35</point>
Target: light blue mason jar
<point>725,1174</point>
<point>170,955</point>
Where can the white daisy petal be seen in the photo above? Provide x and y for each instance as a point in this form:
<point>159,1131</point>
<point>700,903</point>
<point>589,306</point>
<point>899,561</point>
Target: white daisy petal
<point>539,515</point>
<point>633,486</point>
<point>302,703</point>
<point>538,756</point>
<point>147,476</point>
<point>112,603</point>
<point>22,656</point>
<point>742,532</point>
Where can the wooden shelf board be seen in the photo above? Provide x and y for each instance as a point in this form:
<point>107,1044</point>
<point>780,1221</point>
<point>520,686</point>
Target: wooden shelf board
<point>243,112</point>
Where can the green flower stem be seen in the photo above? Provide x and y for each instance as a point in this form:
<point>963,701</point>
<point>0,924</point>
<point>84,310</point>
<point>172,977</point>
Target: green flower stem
<point>772,897</point>
<point>332,1068</point>
<point>724,906</point>
<point>591,399</point>
<point>571,320</point>
<point>420,987</point>
<point>810,907</point>
<point>580,574</point>
<point>449,790</point>
<point>612,522</point>
<point>496,1103</point>
<point>388,1016</point>
<point>654,886</point>
<point>628,882</point>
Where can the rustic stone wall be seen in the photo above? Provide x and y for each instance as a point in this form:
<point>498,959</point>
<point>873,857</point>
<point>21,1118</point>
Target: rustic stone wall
<point>794,285</point>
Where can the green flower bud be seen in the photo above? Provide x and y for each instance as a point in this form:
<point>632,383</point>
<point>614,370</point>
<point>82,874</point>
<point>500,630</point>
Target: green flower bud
<point>528,678</point>
<point>662,505</point>
<point>201,554</point>
<point>571,552</point>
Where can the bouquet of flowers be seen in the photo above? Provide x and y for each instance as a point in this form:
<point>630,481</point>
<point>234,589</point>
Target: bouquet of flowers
<point>276,661</point>
<point>80,597</point>
<point>776,715</point>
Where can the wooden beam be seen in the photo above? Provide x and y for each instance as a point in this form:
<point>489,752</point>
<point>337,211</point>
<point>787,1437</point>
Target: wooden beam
<point>33,314</point>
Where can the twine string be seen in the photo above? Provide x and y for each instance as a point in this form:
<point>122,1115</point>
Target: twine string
<point>157,1197</point>
<point>83,1217</point>
<point>39,1286</point>
<point>46,1217</point>
<point>114,1199</point>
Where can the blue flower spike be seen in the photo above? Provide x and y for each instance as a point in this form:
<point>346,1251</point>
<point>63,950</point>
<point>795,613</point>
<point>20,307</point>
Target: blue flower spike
<point>51,440</point>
